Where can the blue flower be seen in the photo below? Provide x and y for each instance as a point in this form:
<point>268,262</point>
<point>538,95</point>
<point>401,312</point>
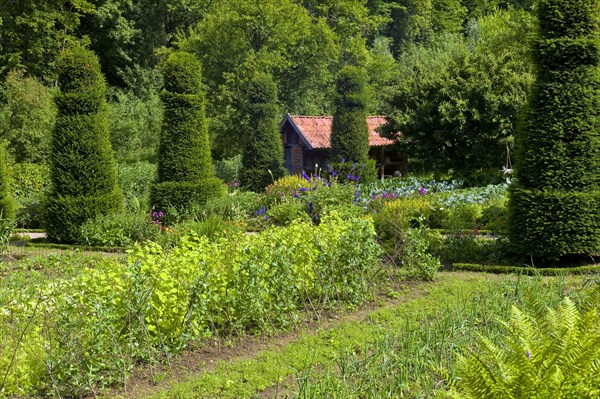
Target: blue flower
<point>343,160</point>
<point>261,211</point>
<point>296,195</point>
<point>306,177</point>
<point>303,189</point>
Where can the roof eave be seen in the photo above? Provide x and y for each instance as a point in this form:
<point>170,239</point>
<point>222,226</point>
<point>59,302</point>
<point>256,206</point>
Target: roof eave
<point>290,119</point>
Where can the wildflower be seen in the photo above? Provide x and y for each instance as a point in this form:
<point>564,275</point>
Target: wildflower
<point>422,191</point>
<point>261,211</point>
<point>343,160</point>
<point>306,177</point>
<point>374,197</point>
<point>303,189</point>
<point>296,195</point>
<point>354,166</point>
<point>528,354</point>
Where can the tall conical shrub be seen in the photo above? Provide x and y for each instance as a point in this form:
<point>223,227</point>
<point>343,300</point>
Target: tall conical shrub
<point>82,162</point>
<point>555,202</point>
<point>186,175</point>
<point>349,130</point>
<point>262,159</point>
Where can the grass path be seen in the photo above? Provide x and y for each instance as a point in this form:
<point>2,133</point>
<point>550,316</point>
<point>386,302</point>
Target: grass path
<point>279,366</point>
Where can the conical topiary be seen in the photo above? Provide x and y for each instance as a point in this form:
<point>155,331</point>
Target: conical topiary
<point>555,201</point>
<point>349,129</point>
<point>185,171</point>
<point>82,162</point>
<point>262,160</point>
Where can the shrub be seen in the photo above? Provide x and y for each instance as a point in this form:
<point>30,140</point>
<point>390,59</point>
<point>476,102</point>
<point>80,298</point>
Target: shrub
<point>185,170</point>
<point>7,201</point>
<point>349,130</point>
<point>30,114</point>
<point>135,179</point>
<point>262,159</point>
<point>495,218</point>
<point>235,206</point>
<point>118,230</point>
<point>229,169</point>
<point>398,214</point>
<point>464,217</point>
<point>554,203</point>
<point>284,188</point>
<point>287,212</point>
<point>468,247</point>
<point>83,170</point>
<point>31,183</point>
<point>417,261</point>
<point>135,126</point>
<point>327,196</point>
<point>185,197</point>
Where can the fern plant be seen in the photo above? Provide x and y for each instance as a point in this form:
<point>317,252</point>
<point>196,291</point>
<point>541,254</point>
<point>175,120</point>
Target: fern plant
<point>551,353</point>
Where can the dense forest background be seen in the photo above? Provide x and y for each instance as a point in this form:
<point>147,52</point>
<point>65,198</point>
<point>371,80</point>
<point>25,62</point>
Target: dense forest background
<point>451,75</point>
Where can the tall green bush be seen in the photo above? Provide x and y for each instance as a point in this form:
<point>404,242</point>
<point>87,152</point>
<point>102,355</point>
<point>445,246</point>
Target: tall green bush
<point>262,159</point>
<point>7,202</point>
<point>186,174</point>
<point>349,130</point>
<point>554,203</point>
<point>82,163</point>
<point>27,119</point>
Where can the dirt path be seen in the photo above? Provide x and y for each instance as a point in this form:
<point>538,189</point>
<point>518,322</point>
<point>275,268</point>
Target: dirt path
<point>195,364</point>
<point>143,381</point>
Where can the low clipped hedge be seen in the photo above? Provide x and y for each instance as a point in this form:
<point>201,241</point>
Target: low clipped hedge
<point>66,214</point>
<point>551,224</point>
<point>185,195</point>
<point>530,271</point>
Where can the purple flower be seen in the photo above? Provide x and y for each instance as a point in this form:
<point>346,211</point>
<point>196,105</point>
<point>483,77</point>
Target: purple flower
<point>528,354</point>
<point>310,207</point>
<point>306,177</point>
<point>296,195</point>
<point>329,168</point>
<point>343,160</point>
<point>261,211</point>
<point>266,217</point>
<point>423,191</point>
<point>354,166</point>
<point>303,189</point>
<point>161,214</point>
<point>374,197</point>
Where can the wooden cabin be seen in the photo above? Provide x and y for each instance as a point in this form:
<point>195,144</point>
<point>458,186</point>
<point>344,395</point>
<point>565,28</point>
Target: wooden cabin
<point>307,142</point>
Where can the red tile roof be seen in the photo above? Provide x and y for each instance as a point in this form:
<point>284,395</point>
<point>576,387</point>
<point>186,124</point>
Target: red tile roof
<point>317,130</point>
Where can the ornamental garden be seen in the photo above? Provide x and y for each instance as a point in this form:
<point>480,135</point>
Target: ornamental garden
<point>182,275</point>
